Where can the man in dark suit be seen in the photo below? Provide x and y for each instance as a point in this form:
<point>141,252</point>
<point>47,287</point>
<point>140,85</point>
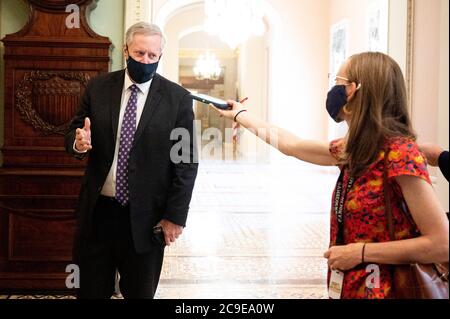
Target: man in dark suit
<point>134,179</point>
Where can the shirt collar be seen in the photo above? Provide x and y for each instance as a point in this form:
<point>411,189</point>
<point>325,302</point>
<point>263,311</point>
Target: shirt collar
<point>143,87</point>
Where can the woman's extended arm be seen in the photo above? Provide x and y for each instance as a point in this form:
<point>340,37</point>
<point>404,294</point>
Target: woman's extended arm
<point>315,152</point>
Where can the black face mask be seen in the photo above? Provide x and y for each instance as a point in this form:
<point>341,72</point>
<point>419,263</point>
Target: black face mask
<point>336,99</point>
<point>141,72</point>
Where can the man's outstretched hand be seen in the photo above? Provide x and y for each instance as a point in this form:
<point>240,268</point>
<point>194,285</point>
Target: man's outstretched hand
<point>83,137</point>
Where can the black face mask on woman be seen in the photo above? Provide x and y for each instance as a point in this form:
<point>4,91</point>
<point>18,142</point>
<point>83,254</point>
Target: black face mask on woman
<point>141,72</point>
<point>336,100</point>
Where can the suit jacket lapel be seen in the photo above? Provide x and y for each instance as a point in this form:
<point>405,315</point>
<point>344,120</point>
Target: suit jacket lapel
<point>115,100</point>
<point>153,99</point>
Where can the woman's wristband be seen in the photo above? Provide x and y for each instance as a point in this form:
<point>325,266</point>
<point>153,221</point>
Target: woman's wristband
<point>362,253</point>
<point>235,117</point>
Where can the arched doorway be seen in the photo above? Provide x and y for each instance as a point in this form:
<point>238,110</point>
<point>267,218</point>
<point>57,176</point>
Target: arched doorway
<point>193,47</point>
<point>182,23</point>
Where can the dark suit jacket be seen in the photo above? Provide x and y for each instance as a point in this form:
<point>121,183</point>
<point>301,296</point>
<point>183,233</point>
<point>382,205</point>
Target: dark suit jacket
<point>443,164</point>
<point>159,188</point>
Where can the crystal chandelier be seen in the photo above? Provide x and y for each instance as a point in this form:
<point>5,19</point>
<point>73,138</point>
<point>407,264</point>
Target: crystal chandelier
<point>207,67</point>
<point>234,21</point>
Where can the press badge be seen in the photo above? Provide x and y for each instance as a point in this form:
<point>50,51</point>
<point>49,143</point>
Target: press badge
<point>336,281</point>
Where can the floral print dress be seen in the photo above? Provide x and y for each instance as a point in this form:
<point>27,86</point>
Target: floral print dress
<point>364,214</point>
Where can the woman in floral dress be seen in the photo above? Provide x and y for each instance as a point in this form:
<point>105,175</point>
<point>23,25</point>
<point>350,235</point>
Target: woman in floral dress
<point>380,148</point>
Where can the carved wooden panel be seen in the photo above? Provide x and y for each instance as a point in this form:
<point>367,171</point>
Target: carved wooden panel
<point>47,100</point>
<point>34,240</point>
<point>47,68</point>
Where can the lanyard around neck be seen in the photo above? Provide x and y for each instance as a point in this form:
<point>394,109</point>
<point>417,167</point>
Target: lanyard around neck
<point>339,202</point>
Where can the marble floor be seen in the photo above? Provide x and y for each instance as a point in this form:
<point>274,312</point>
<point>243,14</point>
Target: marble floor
<point>254,231</point>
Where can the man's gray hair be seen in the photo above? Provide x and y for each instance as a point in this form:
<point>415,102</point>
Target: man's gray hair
<point>144,28</point>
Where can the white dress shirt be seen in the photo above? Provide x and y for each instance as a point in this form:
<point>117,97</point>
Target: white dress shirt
<point>109,188</point>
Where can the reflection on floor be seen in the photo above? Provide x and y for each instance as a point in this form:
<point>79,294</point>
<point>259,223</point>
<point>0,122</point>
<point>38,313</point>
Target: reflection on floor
<point>254,231</point>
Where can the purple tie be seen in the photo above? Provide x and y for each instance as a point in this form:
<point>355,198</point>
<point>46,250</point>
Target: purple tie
<point>126,140</point>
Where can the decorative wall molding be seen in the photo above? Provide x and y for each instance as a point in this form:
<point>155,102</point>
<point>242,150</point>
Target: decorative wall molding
<point>51,86</point>
<point>137,10</point>
<point>409,51</point>
<point>195,53</point>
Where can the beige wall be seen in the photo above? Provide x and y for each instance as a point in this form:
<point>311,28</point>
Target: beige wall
<point>354,11</point>
<point>296,55</point>
<point>253,83</point>
<point>425,88</point>
<point>397,47</point>
<point>173,29</point>
<point>299,67</point>
<point>443,127</point>
<point>430,79</point>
